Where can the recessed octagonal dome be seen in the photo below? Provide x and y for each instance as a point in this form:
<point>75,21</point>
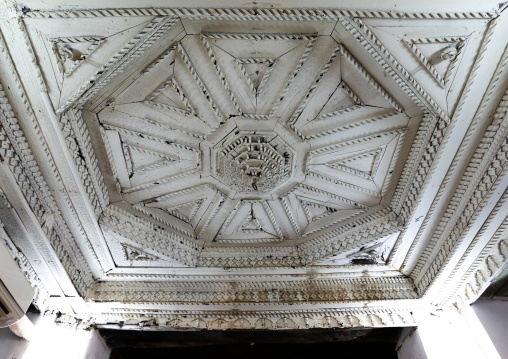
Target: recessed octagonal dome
<point>254,162</point>
<point>229,140</point>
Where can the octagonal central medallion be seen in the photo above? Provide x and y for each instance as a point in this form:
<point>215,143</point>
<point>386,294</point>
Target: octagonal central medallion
<point>254,162</point>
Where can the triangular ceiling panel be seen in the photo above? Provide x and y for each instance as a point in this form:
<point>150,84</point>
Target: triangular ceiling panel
<point>374,253</point>
<point>313,213</point>
<point>343,95</point>
<point>80,51</point>
<point>369,91</point>
<point>438,56</point>
<point>365,163</point>
<point>187,209</point>
<point>159,86</point>
<point>250,222</point>
<point>73,51</point>
<point>139,159</point>
<point>255,81</point>
<point>342,98</point>
<point>128,253</point>
<point>258,70</point>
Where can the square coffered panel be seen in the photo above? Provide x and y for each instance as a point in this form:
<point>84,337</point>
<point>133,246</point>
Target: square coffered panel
<point>197,160</point>
<point>245,149</point>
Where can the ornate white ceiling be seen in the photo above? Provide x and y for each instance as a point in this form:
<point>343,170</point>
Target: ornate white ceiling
<point>262,166</point>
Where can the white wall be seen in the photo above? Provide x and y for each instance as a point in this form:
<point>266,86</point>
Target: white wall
<point>51,341</point>
<point>410,345</point>
<point>11,347</point>
<point>493,314</point>
<point>448,334</point>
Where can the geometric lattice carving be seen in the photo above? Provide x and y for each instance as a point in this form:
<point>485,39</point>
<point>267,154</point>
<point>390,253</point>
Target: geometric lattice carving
<point>290,163</point>
<point>292,143</point>
<point>254,163</point>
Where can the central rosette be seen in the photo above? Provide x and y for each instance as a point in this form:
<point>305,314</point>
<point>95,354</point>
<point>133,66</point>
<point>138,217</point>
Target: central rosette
<point>253,162</point>
<point>253,159</point>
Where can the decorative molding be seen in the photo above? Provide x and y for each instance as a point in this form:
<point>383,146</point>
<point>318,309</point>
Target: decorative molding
<point>17,154</point>
<point>33,58</point>
<point>259,293</point>
<point>348,126</point>
<point>485,267</point>
<point>132,50</point>
<point>421,155</point>
<point>78,141</point>
<point>478,181</point>
<point>253,14</point>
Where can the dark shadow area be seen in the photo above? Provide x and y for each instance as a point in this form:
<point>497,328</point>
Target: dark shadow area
<point>259,344</point>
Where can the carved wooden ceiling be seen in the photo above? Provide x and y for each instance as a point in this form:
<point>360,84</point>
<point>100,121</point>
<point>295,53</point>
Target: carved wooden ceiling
<point>256,166</point>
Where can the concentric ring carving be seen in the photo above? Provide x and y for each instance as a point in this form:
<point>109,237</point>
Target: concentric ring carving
<point>254,163</point>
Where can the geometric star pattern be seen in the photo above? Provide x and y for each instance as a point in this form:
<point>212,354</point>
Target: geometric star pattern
<point>295,140</point>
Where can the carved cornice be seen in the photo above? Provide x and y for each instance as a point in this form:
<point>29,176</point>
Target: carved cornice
<point>252,14</point>
<point>486,266</point>
<point>78,141</point>
<point>16,152</point>
<point>259,293</point>
<point>41,83</point>
<point>273,319</point>
<point>41,294</point>
<point>421,156</point>
<point>431,154</point>
<point>489,163</point>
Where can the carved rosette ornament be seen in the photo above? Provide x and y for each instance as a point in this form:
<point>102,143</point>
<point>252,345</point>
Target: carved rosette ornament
<point>252,162</point>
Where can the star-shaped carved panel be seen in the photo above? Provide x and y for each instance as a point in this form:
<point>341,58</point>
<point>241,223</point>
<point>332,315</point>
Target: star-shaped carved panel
<point>240,140</point>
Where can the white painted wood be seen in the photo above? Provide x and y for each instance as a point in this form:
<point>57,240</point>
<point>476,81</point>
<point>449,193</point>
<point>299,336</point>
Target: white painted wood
<point>335,159</point>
